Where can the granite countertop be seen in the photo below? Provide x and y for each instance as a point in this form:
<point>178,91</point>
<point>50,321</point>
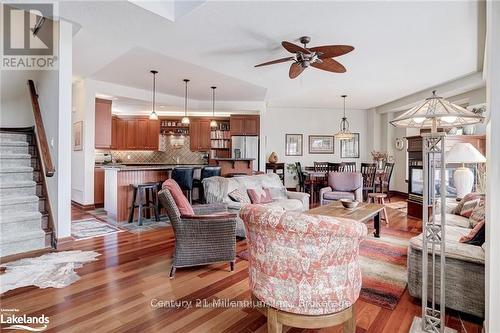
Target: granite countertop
<point>125,167</point>
<point>234,159</point>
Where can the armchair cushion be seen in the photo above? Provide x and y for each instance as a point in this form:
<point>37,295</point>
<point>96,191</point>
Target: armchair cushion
<point>337,195</point>
<point>259,197</point>
<point>345,181</point>
<point>181,201</point>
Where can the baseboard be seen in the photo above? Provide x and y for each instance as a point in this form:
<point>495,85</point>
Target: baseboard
<point>30,254</point>
<point>83,207</point>
<point>399,194</point>
<point>64,243</point>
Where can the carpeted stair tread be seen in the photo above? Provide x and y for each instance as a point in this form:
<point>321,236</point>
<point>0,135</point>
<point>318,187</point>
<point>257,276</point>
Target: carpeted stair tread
<point>18,200</point>
<point>19,216</point>
<point>15,156</point>
<point>13,238</point>
<point>14,143</point>
<point>17,184</point>
<point>19,169</point>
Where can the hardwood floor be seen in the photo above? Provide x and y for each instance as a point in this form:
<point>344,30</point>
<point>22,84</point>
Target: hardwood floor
<point>115,293</point>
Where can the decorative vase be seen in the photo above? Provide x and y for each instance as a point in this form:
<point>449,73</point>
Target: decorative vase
<point>273,158</point>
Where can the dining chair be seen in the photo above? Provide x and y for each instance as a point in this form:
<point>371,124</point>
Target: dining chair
<point>383,184</point>
<point>334,167</point>
<point>348,167</point>
<point>321,166</point>
<point>304,183</point>
<point>369,172</point>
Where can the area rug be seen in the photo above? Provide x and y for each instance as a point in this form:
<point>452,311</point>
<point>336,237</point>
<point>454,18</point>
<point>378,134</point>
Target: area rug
<point>91,227</point>
<point>147,225</point>
<point>383,265</point>
<point>56,270</point>
<point>402,206</point>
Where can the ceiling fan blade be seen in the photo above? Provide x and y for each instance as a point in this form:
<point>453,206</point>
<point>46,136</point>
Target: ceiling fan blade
<point>331,51</point>
<point>292,48</point>
<point>275,61</point>
<point>330,65</point>
<point>295,70</point>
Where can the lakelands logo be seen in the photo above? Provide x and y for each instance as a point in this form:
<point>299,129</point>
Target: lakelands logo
<point>28,36</point>
<point>23,322</point>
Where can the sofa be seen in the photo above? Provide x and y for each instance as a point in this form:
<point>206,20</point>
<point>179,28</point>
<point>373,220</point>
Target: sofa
<point>465,279</point>
<point>217,190</point>
<point>342,185</point>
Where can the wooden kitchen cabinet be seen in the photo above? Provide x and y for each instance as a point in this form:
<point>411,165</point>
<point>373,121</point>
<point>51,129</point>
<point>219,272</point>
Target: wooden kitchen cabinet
<point>199,134</point>
<point>103,121</point>
<point>98,187</point>
<point>131,134</point>
<point>153,136</point>
<point>245,125</point>
<point>135,134</point>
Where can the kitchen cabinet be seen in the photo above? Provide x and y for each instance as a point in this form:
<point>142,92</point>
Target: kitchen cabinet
<point>114,133</point>
<point>102,123</point>
<point>131,134</point>
<point>135,134</point>
<point>199,134</point>
<point>245,125</point>
<point>153,135</point>
<point>98,187</point>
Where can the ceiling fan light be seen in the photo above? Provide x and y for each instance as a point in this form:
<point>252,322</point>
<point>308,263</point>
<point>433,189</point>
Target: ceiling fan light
<point>153,115</point>
<point>213,123</point>
<point>185,120</point>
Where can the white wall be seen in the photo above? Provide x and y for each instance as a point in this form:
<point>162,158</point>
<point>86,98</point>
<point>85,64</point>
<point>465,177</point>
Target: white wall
<point>15,101</point>
<point>54,90</point>
<point>492,70</point>
<point>276,122</point>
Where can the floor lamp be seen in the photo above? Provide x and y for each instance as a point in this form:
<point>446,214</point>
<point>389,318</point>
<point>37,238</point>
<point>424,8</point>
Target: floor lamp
<point>434,113</point>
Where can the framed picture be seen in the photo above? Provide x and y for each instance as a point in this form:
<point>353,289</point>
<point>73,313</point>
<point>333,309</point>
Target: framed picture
<point>293,144</point>
<point>78,136</point>
<point>350,148</point>
<point>321,144</point>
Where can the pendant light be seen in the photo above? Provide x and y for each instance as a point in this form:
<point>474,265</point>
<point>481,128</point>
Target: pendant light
<point>344,133</point>
<point>153,115</point>
<point>185,119</point>
<point>213,122</point>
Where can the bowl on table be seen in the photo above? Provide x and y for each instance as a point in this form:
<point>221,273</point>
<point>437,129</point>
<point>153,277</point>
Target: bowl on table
<point>349,204</point>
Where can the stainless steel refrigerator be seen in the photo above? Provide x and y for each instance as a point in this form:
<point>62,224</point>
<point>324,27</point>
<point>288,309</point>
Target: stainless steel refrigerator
<point>246,147</point>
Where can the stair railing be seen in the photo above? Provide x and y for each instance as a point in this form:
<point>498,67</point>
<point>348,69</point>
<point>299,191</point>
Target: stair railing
<point>41,137</point>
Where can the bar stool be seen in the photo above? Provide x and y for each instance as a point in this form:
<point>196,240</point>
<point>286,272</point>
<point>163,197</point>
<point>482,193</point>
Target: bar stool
<point>145,196</point>
<point>206,172</point>
<point>379,198</point>
<point>184,177</point>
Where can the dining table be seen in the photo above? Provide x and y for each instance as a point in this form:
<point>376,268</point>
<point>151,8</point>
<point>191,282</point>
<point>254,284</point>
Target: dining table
<point>315,178</point>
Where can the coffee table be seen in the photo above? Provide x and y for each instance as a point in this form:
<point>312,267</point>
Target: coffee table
<point>364,212</point>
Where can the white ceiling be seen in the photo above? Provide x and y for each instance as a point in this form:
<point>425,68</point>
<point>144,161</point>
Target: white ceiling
<point>401,47</point>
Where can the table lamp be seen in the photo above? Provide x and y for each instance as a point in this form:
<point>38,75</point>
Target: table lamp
<point>463,177</point>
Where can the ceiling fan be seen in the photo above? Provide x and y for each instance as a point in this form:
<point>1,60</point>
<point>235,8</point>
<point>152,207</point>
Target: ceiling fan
<point>319,57</point>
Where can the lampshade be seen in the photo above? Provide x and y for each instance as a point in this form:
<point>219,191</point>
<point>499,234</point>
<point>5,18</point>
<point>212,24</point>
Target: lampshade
<point>463,152</point>
<point>438,112</point>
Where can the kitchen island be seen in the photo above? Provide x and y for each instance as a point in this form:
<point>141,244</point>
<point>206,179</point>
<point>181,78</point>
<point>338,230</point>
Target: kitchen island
<point>235,166</point>
<point>119,178</point>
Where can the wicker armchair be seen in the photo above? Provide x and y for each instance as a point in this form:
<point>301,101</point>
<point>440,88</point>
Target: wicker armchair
<point>207,237</point>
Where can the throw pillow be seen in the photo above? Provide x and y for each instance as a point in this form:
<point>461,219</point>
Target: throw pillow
<point>468,207</point>
<point>470,196</point>
<point>260,198</point>
<point>478,214</point>
<point>476,236</point>
<point>277,192</point>
<point>239,196</point>
<point>180,199</point>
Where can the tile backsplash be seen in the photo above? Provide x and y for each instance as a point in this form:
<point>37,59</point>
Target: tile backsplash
<point>172,149</point>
